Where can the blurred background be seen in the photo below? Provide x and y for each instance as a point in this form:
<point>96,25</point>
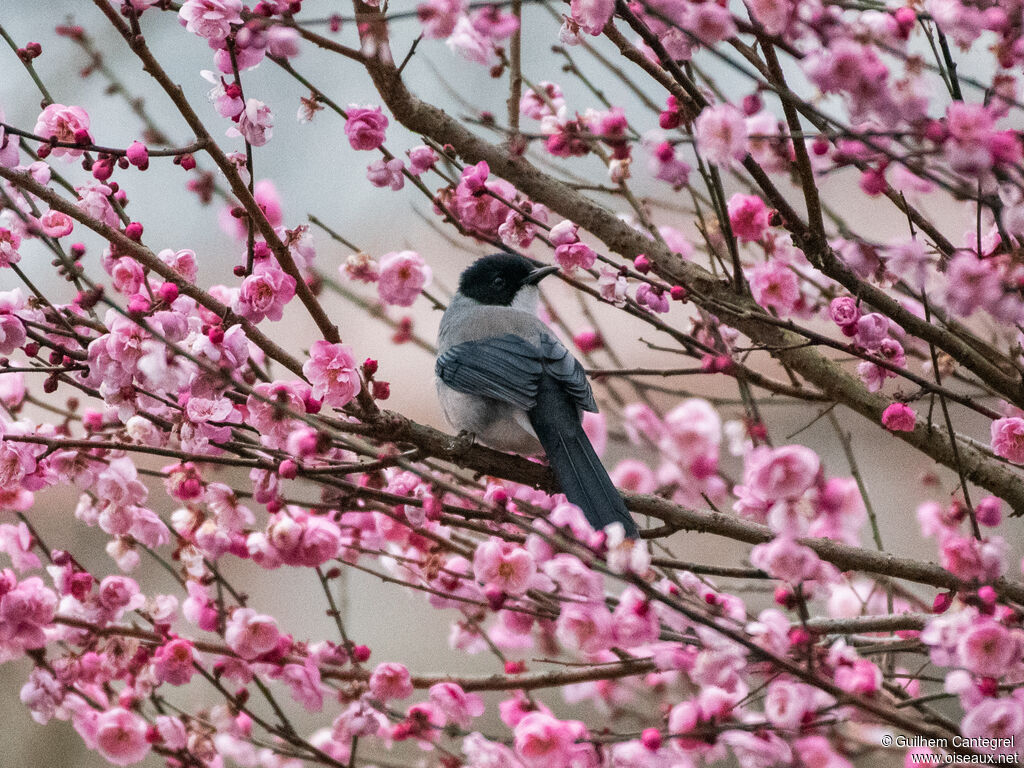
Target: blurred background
<point>316,173</point>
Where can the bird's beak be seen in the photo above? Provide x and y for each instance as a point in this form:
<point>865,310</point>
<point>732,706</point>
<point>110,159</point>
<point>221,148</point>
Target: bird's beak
<point>539,274</point>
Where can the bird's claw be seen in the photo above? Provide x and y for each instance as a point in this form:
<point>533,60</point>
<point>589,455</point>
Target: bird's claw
<point>462,442</point>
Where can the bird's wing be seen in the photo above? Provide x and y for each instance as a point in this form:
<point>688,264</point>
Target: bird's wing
<point>508,368</point>
<point>504,368</point>
<point>567,370</point>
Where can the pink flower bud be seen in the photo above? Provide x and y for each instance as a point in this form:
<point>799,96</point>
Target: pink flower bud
<point>588,340</point>
<point>288,469</point>
<point>942,602</point>
<point>642,264</point>
<point>989,511</point>
<point>138,304</point>
<point>168,292</point>
<point>138,155</point>
<point>651,738</point>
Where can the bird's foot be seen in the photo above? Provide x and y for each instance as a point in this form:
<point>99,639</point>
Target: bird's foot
<point>461,443</point>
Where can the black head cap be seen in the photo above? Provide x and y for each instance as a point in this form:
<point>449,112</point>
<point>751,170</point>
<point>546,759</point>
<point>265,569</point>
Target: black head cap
<point>496,279</point>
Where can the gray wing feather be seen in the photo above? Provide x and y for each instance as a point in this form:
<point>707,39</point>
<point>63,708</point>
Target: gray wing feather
<point>508,368</point>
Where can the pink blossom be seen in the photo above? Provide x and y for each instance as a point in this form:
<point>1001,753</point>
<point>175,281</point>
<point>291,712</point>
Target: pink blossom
<point>626,555</point>
<point>421,159</point>
<point>172,731</point>
<point>574,578</point>
<point>438,17</point>
<point>780,473</point>
<point>53,223</point>
<point>652,297</point>
<point>541,741</point>
<point>121,736</point>
<point>93,202</point>
<point>304,682</point>
<point>386,173</point>
<point>457,706</point>
<point>573,255</point>
<point>721,134</point>
<point>403,275</point>
<point>303,540</point>
<point>283,42</point>
<point>988,649</point>
<point>470,44</point>
<point>12,389</point>
<point>211,19</point>
<point>613,286</point>
<point>775,286</point>
<point>844,311</point>
<point>255,123</point>
<point>365,127</point>
<point>872,329</point>
<point>972,559</point>
<point>995,719</point>
<point>361,267</point>
<point>533,106</point>
<point>899,417</point>
<point>25,611</point>
<point>265,293</point>
<point>592,15</point>
<point>861,677</point>
<point>491,22</point>
<point>503,565</point>
<point>9,242</point>
<point>788,702</point>
<point>585,627</point>
<point>17,542</point>
<point>65,124</point>
<point>127,275</point>
<point>251,634</point>
<point>564,232</point>
<point>972,284</point>
<point>748,217</point>
<point>331,370</point>
<point>784,558</point>
<point>390,681</point>
<point>172,662</point>
<point>42,694</point>
<point>774,15</point>
<point>633,475</point>
<point>634,622</point>
<point>1008,438</point>
<point>9,154</point>
<point>988,511</point>
<point>909,261</point>
<point>666,164</point>
<point>118,594</point>
<point>226,97</point>
<point>481,213</point>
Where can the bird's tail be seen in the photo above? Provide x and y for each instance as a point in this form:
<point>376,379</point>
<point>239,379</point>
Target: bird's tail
<point>578,470</point>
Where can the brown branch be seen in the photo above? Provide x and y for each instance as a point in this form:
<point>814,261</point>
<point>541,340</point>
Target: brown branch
<point>137,44</point>
<point>705,289</point>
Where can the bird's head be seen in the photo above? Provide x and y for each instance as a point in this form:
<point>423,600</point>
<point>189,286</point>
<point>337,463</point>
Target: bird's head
<point>504,280</point>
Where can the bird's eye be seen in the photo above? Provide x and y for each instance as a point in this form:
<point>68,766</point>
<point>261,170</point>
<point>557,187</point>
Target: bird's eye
<point>498,282</point>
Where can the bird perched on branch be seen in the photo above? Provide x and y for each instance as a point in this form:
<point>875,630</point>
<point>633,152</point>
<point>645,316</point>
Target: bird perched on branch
<point>504,377</point>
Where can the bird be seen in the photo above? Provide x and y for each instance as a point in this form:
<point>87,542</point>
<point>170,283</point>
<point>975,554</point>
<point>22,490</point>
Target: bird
<point>503,377</point>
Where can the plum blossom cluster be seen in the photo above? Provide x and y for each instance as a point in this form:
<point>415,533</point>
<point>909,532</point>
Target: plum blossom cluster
<point>191,429</point>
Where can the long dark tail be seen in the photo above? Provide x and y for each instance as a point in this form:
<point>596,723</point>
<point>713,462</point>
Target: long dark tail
<point>580,474</point>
